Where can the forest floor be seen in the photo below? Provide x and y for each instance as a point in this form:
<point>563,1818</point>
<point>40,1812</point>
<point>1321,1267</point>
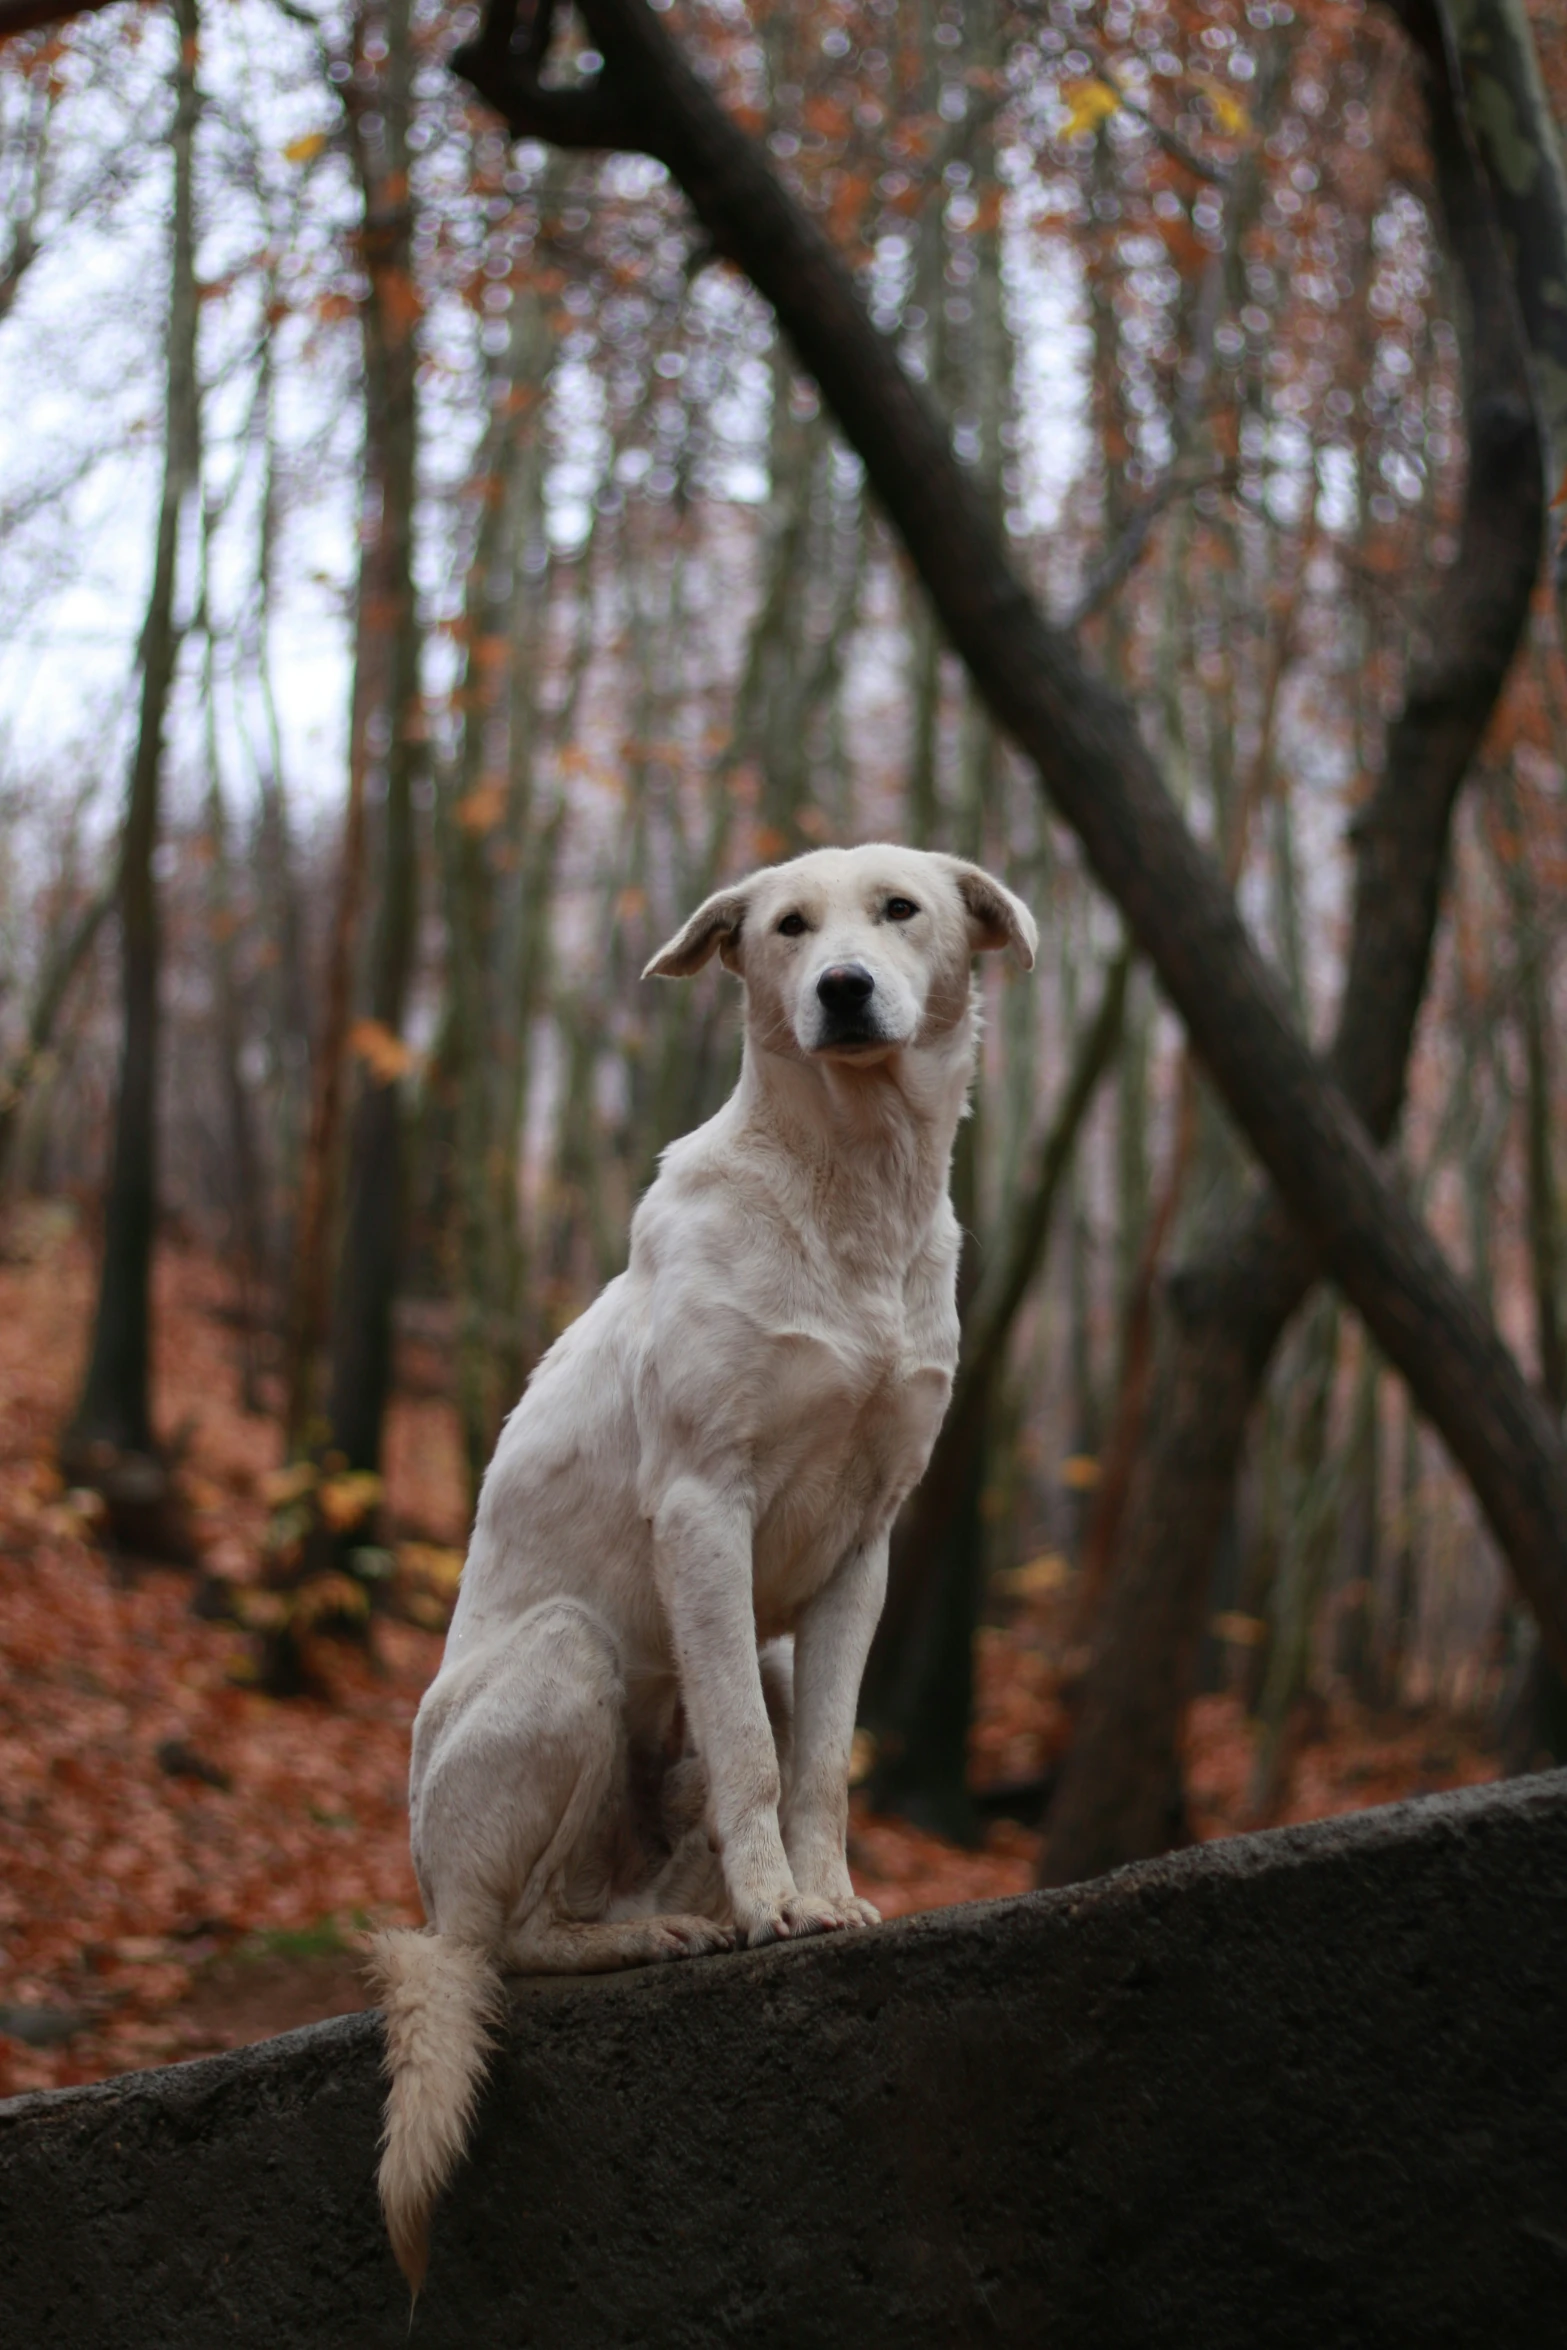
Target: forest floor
<point>186,1864</point>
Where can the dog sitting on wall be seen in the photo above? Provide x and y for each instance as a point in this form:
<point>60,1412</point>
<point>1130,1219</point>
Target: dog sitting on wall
<point>637,1745</point>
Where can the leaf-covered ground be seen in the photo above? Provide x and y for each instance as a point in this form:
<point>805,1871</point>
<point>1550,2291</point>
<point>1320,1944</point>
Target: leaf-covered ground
<point>184,1863</point>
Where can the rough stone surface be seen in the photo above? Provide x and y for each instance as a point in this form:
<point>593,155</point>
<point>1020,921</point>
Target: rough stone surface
<point>1303,2088</point>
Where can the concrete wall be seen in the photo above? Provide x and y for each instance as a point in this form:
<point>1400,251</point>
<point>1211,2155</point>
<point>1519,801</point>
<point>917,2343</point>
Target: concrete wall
<point>1304,2088</point>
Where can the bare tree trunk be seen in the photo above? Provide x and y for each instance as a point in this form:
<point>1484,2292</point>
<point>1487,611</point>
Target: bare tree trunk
<point>1310,1517</point>
<point>110,1442</point>
<point>63,958</point>
<point>495,897</point>
<point>1535,1724</point>
<point>247,1222</point>
<point>290,1021</point>
<point>1522,147</point>
<point>1228,1306</point>
<point>385,682</point>
<point>310,1285</point>
<point>1511,121</point>
<point>369,1260</point>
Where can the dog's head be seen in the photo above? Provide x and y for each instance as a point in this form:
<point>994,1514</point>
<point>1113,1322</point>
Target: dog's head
<point>851,954</point>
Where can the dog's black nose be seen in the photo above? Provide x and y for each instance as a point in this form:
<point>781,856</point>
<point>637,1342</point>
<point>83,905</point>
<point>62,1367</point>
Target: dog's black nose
<point>844,987</point>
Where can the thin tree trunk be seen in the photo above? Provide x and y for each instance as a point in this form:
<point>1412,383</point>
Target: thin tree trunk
<point>370,1255</point>
<point>1534,1019</point>
<point>463,822</point>
<point>290,1012</point>
<point>310,1285</point>
<point>1309,1523</point>
<point>1522,147</point>
<point>1512,124</point>
<point>1228,1306</point>
<point>495,900</point>
<point>64,957</point>
<point>1234,817</point>
<point>248,1225</point>
<point>114,1415</point>
<point>1535,1729</point>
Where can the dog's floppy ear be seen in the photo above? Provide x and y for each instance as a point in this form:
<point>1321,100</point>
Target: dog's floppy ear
<point>996,917</point>
<point>716,924</point>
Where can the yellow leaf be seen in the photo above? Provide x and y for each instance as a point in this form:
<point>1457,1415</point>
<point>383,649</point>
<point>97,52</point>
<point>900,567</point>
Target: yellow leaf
<point>1230,115</point>
<point>1088,104</point>
<point>306,148</point>
<point>1080,1474</point>
<point>326,1596</point>
<point>1037,1576</point>
<point>345,1500</point>
<point>426,1610</point>
<point>282,1487</point>
<point>432,1562</point>
<point>1242,1631</point>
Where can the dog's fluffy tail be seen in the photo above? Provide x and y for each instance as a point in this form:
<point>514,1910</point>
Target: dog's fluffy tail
<point>443,2000</point>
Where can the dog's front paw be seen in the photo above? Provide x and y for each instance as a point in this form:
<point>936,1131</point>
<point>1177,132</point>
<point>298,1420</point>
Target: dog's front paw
<point>855,1912</point>
<point>847,1909</point>
<point>686,1937</point>
<point>786,1919</point>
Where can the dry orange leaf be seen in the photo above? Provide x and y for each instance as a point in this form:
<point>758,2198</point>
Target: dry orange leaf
<point>385,1055</point>
<point>481,809</point>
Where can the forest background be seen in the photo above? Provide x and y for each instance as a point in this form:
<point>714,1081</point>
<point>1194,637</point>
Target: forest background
<point>431,570</point>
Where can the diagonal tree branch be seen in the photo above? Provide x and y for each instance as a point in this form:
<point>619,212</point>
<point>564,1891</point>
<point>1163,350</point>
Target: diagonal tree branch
<point>30,16</point>
<point>1099,773</point>
<point>504,65</point>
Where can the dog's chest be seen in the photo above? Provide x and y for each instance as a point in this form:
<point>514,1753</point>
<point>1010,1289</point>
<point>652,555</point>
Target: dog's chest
<point>857,1397</point>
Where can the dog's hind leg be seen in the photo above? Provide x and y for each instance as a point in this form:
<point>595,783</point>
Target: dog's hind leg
<point>522,1822</point>
<point>561,1945</point>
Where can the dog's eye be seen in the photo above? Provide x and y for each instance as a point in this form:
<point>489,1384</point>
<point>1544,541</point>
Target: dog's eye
<point>792,926</point>
<point>901,909</point>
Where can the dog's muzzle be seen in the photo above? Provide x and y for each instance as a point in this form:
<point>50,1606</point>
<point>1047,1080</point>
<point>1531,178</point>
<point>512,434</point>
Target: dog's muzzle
<point>846,993</point>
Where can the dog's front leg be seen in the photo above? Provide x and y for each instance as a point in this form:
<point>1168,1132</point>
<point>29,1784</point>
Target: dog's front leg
<point>831,1642</point>
<point>702,1560</point>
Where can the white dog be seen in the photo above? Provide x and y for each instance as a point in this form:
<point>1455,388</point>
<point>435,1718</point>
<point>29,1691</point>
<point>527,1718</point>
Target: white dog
<point>610,1766</point>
